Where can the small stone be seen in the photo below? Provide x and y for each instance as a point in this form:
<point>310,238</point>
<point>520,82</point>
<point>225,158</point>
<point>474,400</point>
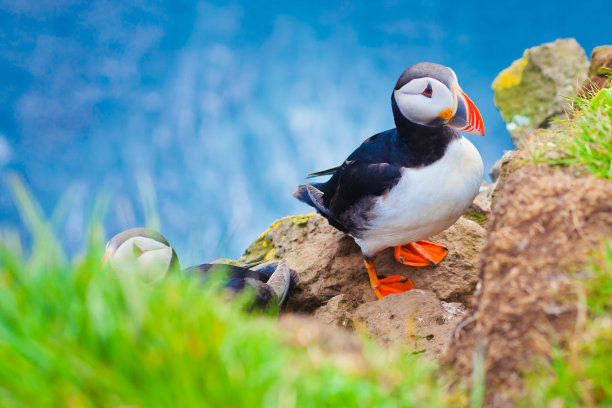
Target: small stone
<point>421,321</point>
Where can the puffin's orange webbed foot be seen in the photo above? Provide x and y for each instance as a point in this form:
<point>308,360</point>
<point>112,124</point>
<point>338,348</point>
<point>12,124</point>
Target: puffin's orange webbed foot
<point>388,285</point>
<point>420,253</point>
<point>395,284</point>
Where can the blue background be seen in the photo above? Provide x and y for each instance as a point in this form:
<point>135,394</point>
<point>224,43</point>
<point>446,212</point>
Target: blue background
<point>217,110</point>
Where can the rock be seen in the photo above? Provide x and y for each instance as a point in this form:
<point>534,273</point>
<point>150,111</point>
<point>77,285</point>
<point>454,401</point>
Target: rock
<point>333,280</point>
<point>480,209</point>
<point>416,318</point>
<point>543,225</point>
<point>509,163</point>
<point>495,169</point>
<point>329,263</point>
<point>531,92</point>
<point>600,71</point>
<point>336,311</point>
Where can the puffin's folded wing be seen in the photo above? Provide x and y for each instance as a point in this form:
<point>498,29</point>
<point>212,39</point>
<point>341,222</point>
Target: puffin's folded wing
<point>280,281</point>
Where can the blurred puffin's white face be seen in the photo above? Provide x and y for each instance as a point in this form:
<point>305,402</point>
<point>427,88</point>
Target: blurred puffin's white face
<point>148,258</point>
<point>425,101</point>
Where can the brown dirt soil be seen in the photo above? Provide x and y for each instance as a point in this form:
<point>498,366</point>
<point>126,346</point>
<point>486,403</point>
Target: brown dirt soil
<point>543,223</point>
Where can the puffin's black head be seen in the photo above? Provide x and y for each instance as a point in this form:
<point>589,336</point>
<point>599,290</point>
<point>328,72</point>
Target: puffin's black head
<point>429,94</point>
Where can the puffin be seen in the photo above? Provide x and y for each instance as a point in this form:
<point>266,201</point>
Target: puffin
<point>405,184</point>
<point>148,254</point>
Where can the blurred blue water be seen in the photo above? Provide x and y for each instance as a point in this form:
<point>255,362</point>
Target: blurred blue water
<point>225,106</point>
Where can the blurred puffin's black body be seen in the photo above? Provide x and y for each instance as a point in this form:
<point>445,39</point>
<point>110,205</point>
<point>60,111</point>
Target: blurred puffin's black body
<point>239,278</point>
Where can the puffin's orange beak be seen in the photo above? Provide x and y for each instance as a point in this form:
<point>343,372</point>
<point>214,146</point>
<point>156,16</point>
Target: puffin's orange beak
<point>467,117</point>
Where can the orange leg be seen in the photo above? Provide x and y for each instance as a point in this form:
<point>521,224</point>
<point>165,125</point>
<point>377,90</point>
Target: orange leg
<point>388,285</point>
<point>420,253</point>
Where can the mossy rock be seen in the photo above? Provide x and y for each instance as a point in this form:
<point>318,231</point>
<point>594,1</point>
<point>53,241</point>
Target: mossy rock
<point>534,89</point>
<point>293,228</point>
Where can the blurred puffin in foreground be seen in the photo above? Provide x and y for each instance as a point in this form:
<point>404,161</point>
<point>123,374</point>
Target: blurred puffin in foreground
<point>406,184</point>
<point>147,253</point>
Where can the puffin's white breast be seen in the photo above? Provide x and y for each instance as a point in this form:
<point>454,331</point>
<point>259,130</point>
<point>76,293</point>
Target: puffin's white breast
<point>426,200</point>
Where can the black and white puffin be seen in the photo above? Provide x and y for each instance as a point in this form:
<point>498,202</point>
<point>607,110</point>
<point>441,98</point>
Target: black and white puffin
<point>148,254</point>
<point>406,184</point>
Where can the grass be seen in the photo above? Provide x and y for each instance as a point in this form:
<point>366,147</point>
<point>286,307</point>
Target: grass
<point>73,333</point>
<point>580,372</point>
<point>583,142</point>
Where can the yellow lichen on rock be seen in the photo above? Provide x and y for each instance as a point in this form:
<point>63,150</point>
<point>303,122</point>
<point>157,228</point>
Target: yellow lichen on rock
<point>303,220</point>
<point>271,254</point>
<point>263,249</point>
<point>274,225</point>
<point>512,75</point>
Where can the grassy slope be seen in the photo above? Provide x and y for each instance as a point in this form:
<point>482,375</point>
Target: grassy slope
<point>74,334</point>
<point>579,374</point>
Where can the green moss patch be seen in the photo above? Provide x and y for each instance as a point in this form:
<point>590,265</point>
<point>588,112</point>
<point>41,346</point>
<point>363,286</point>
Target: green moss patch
<point>476,217</point>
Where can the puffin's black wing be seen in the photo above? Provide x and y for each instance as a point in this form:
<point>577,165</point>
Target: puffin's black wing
<point>235,273</point>
<point>367,173</point>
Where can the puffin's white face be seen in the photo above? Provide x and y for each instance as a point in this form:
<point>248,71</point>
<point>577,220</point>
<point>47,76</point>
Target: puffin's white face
<point>425,100</point>
<point>148,258</point>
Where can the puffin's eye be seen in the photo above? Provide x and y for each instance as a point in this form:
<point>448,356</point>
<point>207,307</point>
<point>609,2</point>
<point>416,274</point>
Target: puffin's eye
<point>428,92</point>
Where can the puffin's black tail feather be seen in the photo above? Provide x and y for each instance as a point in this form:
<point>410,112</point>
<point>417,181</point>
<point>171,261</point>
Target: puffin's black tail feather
<point>301,193</point>
<point>327,172</point>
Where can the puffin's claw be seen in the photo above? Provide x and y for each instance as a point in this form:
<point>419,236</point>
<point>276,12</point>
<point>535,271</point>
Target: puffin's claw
<point>395,284</point>
<point>388,285</point>
<point>420,253</point>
